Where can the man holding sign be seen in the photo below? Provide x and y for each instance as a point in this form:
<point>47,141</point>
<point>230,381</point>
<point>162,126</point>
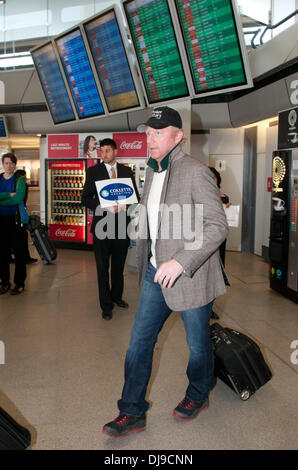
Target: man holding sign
<point>107,199</point>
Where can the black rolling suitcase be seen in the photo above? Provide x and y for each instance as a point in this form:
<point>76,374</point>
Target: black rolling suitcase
<point>13,436</point>
<point>39,234</point>
<point>238,361</point>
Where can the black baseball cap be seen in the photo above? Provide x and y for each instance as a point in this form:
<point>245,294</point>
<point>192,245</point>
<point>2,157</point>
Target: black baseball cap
<point>162,117</point>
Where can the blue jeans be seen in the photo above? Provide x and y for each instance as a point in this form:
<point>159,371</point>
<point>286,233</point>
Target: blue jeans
<point>150,317</point>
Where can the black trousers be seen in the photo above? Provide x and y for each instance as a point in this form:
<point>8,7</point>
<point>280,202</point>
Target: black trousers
<point>12,238</point>
<point>110,256</point>
<point>26,248</point>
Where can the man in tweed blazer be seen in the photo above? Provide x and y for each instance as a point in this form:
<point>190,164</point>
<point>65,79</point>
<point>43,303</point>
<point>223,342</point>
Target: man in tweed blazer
<point>181,226</point>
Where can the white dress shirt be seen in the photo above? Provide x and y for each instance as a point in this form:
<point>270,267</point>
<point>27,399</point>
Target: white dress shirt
<point>153,209</point>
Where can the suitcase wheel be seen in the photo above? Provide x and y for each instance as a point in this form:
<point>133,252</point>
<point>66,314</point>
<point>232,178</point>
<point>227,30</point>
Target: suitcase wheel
<point>244,395</point>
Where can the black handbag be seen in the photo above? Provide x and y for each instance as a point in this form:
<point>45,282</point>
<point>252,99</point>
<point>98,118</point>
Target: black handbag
<point>13,436</point>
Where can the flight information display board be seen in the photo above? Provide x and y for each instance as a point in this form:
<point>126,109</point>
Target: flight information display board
<point>212,43</point>
<point>52,83</point>
<point>155,42</point>
<point>108,52</point>
<point>3,127</point>
<point>79,74</point>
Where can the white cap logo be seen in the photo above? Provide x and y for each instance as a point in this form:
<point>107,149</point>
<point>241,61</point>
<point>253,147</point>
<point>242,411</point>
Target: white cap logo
<point>156,114</point>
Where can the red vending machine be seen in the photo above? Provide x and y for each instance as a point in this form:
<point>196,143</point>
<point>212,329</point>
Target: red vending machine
<point>65,216</point>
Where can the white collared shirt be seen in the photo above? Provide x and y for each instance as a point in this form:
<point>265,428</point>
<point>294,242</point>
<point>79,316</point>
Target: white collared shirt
<point>153,210</point>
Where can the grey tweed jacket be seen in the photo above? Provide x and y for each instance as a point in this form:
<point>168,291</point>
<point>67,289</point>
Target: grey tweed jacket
<point>188,184</point>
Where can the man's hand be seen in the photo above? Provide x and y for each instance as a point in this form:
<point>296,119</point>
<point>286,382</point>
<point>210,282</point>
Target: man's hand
<point>168,272</point>
<point>117,208</point>
<point>113,209</point>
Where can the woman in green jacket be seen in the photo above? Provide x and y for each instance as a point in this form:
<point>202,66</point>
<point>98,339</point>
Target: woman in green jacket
<point>12,195</point>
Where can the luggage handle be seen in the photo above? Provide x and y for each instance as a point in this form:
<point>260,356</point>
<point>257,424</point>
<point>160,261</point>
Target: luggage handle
<point>219,334</point>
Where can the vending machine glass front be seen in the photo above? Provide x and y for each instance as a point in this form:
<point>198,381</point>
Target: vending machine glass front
<point>66,217</point>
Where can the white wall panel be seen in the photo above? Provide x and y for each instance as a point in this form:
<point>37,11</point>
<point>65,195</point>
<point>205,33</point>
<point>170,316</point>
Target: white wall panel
<point>228,145</point>
<point>15,84</point>
<point>200,147</point>
<point>226,141</point>
<point>261,188</point>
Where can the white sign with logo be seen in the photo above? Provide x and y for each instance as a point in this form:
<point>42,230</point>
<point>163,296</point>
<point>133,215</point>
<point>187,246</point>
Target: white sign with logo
<point>118,189</point>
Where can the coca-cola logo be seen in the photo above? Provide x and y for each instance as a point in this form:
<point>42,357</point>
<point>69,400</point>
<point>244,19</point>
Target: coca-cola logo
<point>70,232</point>
<point>135,145</point>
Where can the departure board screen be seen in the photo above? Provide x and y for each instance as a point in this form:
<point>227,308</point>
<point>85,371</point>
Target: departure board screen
<point>212,43</point>
<point>52,83</point>
<point>111,62</point>
<point>79,74</point>
<point>3,128</point>
<point>156,47</point>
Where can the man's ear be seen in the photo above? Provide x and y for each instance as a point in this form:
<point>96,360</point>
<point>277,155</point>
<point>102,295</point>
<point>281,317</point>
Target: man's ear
<point>179,136</point>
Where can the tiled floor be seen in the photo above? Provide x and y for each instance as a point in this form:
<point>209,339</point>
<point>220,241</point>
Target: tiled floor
<point>63,370</point>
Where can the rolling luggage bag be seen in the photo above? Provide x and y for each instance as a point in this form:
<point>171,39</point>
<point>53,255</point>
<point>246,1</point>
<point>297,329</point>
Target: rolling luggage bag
<point>44,245</point>
<point>238,361</point>
<point>39,234</point>
<point>13,436</point>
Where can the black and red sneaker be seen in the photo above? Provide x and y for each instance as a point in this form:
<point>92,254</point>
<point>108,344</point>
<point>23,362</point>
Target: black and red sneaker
<point>124,424</point>
<point>187,409</point>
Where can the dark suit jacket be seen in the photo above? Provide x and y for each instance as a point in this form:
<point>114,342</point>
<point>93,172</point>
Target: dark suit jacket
<point>89,194</point>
